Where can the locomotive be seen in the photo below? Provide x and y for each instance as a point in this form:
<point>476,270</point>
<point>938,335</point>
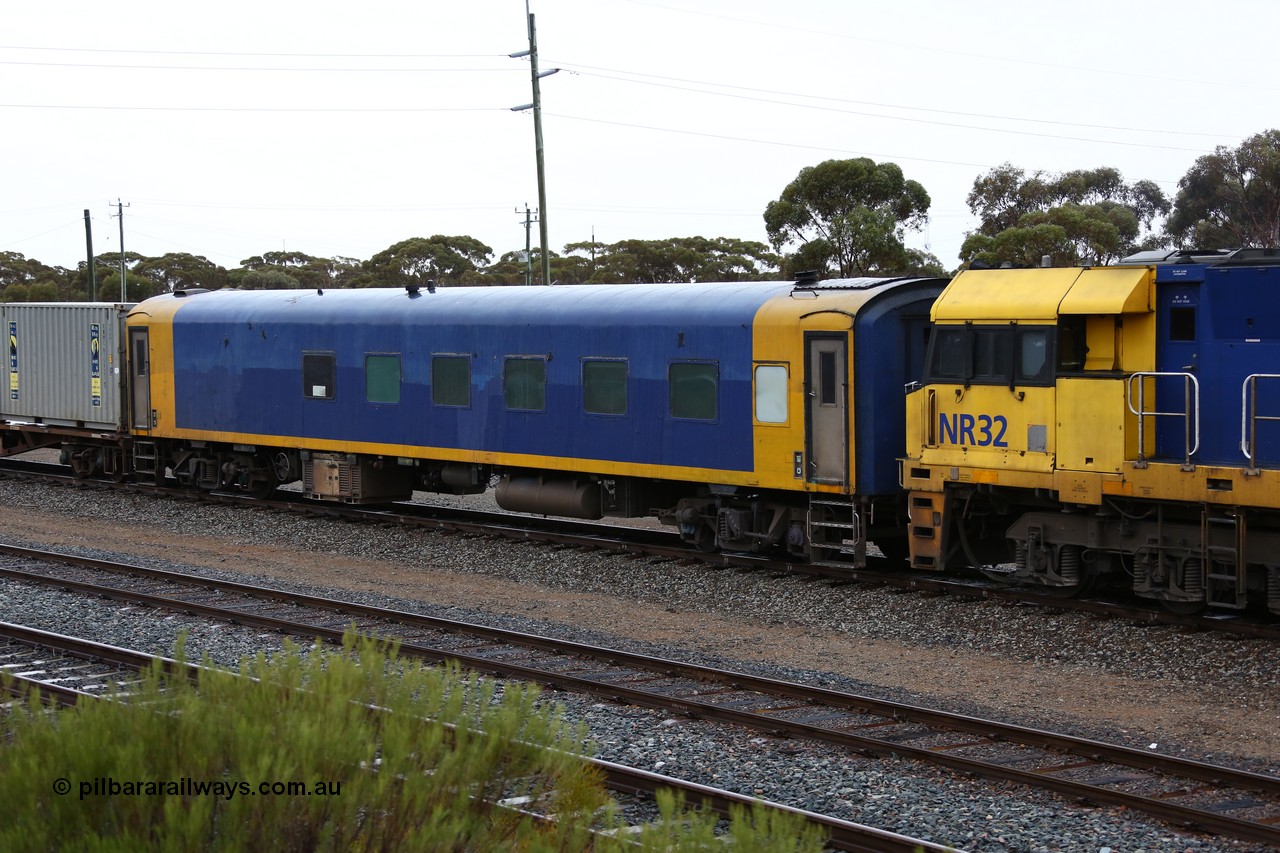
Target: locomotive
<point>1059,427</point>
<point>1113,424</point>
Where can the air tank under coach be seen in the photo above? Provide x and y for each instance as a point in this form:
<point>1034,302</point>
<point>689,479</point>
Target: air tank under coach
<point>1116,424</point>
<point>759,417</point>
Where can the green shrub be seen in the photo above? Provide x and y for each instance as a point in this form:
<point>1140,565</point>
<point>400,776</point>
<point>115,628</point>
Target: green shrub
<point>182,768</point>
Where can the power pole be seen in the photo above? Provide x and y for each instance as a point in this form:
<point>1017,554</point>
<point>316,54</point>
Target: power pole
<point>88,244</point>
<point>528,248</point>
<point>120,206</point>
<point>532,53</point>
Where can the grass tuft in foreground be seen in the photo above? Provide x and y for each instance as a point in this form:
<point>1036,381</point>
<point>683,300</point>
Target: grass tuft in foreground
<point>316,750</point>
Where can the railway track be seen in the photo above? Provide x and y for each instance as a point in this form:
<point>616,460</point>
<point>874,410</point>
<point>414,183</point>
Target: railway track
<point>67,670</point>
<point>666,545</point>
<point>1188,794</point>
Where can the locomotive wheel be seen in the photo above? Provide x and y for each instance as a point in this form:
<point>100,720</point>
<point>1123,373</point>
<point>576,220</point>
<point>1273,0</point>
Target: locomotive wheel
<point>1086,585</point>
<point>1183,608</point>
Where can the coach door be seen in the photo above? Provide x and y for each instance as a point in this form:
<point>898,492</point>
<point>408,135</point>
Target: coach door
<point>827,407</point>
<point>140,380</point>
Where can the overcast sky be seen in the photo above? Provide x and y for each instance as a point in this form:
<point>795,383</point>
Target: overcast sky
<point>337,129</point>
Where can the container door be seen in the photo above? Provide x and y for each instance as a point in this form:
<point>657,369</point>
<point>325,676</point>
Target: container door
<point>140,380</point>
<point>827,407</point>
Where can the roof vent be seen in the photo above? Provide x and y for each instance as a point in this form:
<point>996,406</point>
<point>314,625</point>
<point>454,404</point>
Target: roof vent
<point>807,277</point>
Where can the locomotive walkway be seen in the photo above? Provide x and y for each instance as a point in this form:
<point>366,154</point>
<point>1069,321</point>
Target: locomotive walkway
<point>1216,799</point>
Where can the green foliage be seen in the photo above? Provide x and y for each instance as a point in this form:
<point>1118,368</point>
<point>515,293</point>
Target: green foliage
<point>753,831</point>
<point>268,279</point>
<point>447,260</point>
<point>848,214</point>
<point>1230,198</point>
<point>181,271</point>
<point>303,270</point>
<point>16,292</point>
<point>676,259</point>
<point>361,730</point>
<point>16,268</point>
<point>1088,216</point>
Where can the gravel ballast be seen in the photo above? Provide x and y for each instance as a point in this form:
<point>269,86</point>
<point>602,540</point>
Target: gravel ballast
<point>1200,695</point>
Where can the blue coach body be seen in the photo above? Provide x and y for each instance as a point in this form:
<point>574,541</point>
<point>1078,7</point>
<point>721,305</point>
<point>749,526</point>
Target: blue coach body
<point>236,367</point>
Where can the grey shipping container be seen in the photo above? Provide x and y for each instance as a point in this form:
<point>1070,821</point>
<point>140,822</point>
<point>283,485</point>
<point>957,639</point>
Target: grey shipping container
<point>64,364</point>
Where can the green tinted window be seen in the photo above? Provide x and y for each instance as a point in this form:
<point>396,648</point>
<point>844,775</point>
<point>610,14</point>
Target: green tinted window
<point>693,390</point>
<point>604,387</point>
<point>382,378</point>
<point>524,383</point>
<point>451,380</point>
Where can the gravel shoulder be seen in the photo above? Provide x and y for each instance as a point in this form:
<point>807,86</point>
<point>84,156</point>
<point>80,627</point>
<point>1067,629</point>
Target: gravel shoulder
<point>1196,694</point>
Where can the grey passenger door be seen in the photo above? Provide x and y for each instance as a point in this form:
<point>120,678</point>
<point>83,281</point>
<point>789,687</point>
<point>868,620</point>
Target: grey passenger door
<point>827,407</point>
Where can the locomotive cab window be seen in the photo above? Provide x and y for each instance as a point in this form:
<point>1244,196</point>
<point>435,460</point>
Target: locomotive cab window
<point>693,389</point>
<point>382,378</point>
<point>451,380</point>
<point>318,372</point>
<point>771,393</point>
<point>949,354</point>
<point>604,387</point>
<point>992,355</point>
<point>524,383</point>
<point>1182,324</point>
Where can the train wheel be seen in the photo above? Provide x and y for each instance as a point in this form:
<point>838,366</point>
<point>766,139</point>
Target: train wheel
<point>705,539</point>
<point>1075,590</point>
<point>1183,608</point>
<point>264,488</point>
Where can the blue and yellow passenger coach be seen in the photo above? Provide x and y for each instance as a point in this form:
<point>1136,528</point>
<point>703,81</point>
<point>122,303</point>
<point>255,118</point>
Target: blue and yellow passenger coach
<point>752,416</point>
<point>1117,423</point>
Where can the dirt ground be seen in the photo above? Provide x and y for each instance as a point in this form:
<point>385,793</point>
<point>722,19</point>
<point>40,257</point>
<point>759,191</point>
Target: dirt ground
<point>1221,717</point>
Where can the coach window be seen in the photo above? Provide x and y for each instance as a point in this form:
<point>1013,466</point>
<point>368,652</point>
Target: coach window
<point>771,393</point>
<point>451,380</point>
<point>694,390</point>
<point>604,387</point>
<point>524,383</point>
<point>382,378</point>
<point>318,369</point>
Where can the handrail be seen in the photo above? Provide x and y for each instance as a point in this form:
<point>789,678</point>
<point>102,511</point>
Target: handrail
<point>1190,412</point>
<point>1249,416</point>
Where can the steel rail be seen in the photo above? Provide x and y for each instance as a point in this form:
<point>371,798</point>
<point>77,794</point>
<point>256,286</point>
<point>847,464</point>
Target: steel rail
<point>991,731</point>
<point>661,544</point>
<point>839,834</point>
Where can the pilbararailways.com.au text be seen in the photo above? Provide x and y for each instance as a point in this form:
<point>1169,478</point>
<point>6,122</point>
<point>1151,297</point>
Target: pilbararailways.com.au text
<point>108,786</point>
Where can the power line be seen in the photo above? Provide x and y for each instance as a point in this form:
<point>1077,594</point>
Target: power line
<point>916,47</point>
<point>258,55</point>
<point>400,70</point>
<point>592,72</point>
<point>255,109</point>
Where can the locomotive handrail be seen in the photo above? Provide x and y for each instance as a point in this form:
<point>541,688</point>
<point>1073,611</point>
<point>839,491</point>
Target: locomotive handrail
<point>1249,416</point>
<point>1190,412</point>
